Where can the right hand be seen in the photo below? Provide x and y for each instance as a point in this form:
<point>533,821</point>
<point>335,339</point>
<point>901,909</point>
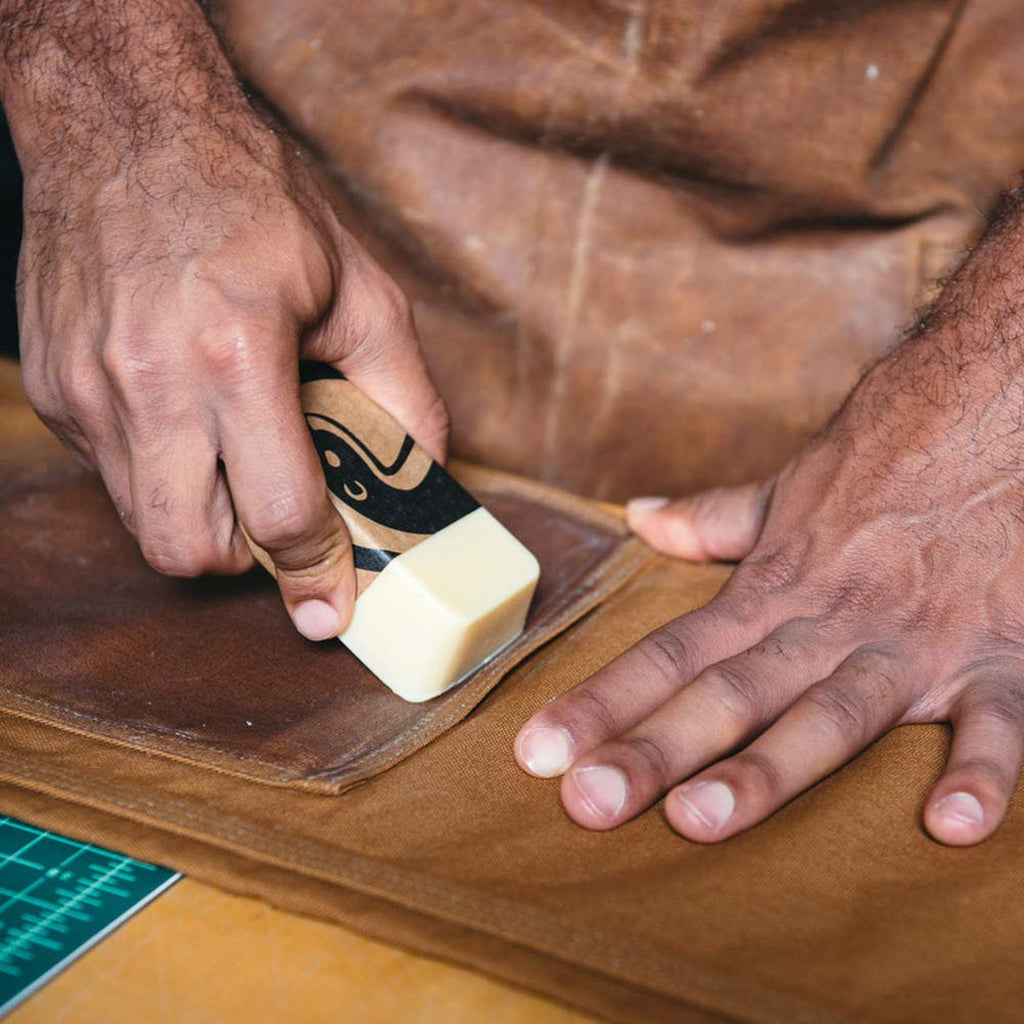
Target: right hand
<point>166,297</point>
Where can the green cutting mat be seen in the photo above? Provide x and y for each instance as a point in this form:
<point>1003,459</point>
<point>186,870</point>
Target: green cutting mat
<point>58,897</point>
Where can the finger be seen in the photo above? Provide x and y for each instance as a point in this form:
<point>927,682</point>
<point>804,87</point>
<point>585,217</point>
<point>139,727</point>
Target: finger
<point>372,340</point>
<point>831,723</point>
<point>71,435</point>
<point>107,454</point>
<point>110,459</point>
<point>89,426</point>
<point>729,702</point>
<point>280,496</point>
<point>632,686</point>
<point>720,524</point>
<point>970,800</point>
<point>183,515</point>
<point>42,385</point>
<point>238,557</point>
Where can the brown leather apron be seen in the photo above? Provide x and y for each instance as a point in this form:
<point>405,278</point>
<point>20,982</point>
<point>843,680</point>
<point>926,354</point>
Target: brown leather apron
<point>651,245</point>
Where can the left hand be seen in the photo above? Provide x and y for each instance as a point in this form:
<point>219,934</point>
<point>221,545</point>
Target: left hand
<point>881,583</point>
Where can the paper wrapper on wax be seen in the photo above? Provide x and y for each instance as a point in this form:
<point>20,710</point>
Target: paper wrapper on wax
<point>442,586</point>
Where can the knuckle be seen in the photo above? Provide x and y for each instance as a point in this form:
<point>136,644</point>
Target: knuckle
<point>393,310</point>
<point>588,704</point>
<point>80,386</point>
<point>1003,700</point>
<point>127,363</point>
<point>740,607</point>
<point>177,544</point>
<point>741,695</point>
<point>738,604</point>
<point>1005,709</point>
<point>760,771</point>
<point>173,558</point>
<point>231,348</point>
<point>667,654</point>
<point>42,397</point>
<point>69,382</point>
<point>293,531</point>
<point>871,676</point>
<point>990,770</point>
<point>647,753</point>
<point>282,522</point>
<point>382,318</point>
<point>844,710</point>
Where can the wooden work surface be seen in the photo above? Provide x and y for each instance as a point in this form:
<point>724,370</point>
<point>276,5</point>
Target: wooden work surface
<point>197,955</point>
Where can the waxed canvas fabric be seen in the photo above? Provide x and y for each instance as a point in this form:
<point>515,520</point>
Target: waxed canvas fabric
<point>837,909</point>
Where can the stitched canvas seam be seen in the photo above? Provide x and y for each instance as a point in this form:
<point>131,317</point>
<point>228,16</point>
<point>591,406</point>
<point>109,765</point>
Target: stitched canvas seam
<point>622,562</point>
<point>535,926</point>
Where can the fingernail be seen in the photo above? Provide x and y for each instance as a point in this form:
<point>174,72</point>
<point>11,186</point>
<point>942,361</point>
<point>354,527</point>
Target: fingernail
<point>962,807</point>
<point>639,507</point>
<point>602,787</point>
<point>316,620</point>
<point>712,803</point>
<point>546,750</point>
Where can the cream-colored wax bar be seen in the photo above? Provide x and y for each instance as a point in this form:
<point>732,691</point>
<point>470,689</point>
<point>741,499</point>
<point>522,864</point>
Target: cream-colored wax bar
<point>444,607</point>
<point>442,586</point>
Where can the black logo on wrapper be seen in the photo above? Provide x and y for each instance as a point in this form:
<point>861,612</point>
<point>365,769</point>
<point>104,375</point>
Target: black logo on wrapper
<point>394,494</point>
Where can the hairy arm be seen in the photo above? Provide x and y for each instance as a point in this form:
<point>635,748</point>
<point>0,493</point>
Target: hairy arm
<point>92,79</point>
<point>178,261</point>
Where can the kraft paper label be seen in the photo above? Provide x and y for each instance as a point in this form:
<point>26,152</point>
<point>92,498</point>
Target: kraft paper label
<point>389,491</point>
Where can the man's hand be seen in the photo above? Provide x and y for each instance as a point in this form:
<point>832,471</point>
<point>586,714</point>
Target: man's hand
<point>177,262</point>
<point>881,583</point>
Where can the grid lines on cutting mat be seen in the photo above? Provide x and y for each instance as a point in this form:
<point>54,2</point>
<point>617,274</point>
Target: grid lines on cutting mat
<point>57,897</point>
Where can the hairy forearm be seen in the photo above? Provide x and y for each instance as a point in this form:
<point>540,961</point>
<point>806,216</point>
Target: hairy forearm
<point>92,79</point>
<point>122,109</point>
<point>960,366</point>
<point>982,304</point>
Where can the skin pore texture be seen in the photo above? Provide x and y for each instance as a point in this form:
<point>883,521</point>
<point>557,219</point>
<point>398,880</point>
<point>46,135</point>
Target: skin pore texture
<point>178,260</point>
<point>879,583</point>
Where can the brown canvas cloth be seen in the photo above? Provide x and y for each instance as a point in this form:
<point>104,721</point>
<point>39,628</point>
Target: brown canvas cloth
<point>838,909</point>
<point>650,243</point>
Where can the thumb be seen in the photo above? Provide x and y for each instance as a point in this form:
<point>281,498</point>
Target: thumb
<point>721,524</point>
<point>281,501</point>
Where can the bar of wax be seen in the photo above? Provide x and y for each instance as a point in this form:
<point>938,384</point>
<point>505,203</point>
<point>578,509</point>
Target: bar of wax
<point>441,585</point>
<point>444,607</point>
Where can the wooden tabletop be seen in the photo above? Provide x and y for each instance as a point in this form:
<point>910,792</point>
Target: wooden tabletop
<point>197,955</point>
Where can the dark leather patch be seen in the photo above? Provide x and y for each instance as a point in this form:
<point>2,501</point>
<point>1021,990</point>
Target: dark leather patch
<point>211,670</point>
